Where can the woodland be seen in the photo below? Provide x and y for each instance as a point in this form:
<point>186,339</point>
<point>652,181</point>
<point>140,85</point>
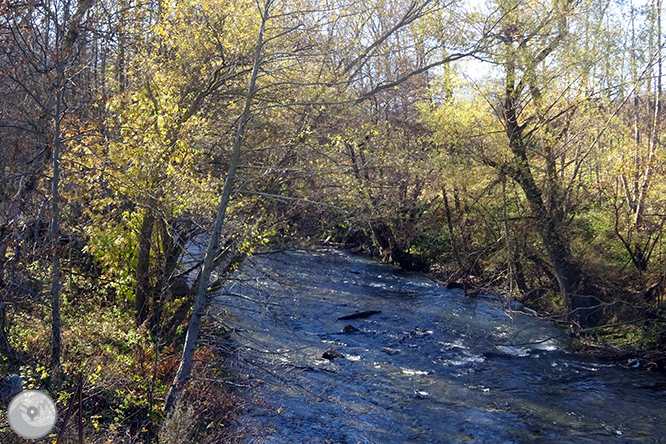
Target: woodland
<point>511,146</point>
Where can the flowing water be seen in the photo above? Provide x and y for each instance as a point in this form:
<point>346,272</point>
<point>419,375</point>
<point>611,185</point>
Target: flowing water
<point>434,366</point>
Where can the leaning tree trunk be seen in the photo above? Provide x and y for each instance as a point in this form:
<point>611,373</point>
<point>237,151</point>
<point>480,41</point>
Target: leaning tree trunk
<point>183,373</point>
<point>521,75</point>
<point>577,293</point>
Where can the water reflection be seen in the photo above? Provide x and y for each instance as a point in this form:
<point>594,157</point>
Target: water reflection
<point>432,367</point>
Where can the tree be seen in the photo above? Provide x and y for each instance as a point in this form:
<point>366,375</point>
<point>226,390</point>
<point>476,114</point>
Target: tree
<point>542,150</point>
<point>525,48</point>
<point>214,243</point>
<point>640,166</point>
<point>295,82</point>
<point>150,157</point>
<point>379,160</point>
<point>42,65</point>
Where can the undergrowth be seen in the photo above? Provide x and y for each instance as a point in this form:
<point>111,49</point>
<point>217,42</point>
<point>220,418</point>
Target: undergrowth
<point>126,376</point>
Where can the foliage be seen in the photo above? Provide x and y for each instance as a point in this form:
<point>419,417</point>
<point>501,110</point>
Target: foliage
<point>364,124</point>
<point>123,380</point>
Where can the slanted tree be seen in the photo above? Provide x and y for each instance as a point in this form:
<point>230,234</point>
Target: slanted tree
<point>535,124</point>
<point>301,81</point>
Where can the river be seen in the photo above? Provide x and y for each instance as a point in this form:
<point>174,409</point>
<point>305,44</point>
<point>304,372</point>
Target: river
<point>434,366</point>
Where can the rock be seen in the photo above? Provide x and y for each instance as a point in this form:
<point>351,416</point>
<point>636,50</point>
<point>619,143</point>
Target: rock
<point>421,394</point>
<point>331,354</point>
<point>390,351</point>
<point>349,329</point>
<point>451,285</point>
<point>416,332</point>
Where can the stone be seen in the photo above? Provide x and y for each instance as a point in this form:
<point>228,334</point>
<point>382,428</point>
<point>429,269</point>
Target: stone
<point>331,354</point>
<point>349,329</point>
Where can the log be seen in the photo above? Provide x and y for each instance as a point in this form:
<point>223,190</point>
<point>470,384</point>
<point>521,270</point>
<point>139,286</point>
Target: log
<point>360,315</point>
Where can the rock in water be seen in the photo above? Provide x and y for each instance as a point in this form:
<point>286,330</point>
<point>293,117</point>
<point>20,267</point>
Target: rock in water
<point>453,285</point>
<point>331,354</point>
<point>349,329</point>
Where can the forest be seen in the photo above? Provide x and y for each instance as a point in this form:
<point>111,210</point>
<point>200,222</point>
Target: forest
<point>511,146</point>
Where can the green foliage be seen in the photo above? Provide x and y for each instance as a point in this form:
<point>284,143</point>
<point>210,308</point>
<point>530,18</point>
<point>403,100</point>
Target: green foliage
<point>113,245</point>
<point>646,334</point>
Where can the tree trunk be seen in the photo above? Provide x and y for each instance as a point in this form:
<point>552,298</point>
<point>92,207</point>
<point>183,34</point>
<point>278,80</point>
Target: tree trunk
<point>143,290</point>
<point>169,262</point>
<point>577,291</point>
<point>383,236</point>
<point>579,303</point>
<point>449,223</point>
<point>515,269</point>
<point>55,227</point>
<point>185,368</point>
<point>5,347</point>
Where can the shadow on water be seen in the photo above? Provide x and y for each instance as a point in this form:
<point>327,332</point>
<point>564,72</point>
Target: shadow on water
<point>432,367</point>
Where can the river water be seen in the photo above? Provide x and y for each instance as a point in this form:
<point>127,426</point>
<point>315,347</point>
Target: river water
<point>434,366</point>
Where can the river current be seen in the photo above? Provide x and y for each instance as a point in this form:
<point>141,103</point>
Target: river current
<point>434,366</point>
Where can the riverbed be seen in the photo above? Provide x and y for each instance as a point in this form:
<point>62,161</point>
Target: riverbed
<point>434,366</point>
